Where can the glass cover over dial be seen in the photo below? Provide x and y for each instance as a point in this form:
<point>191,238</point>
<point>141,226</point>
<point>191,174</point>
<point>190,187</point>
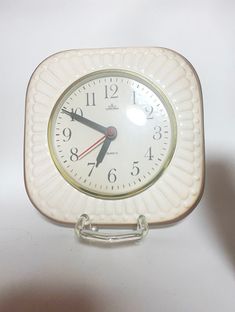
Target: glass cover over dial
<point>111,134</point>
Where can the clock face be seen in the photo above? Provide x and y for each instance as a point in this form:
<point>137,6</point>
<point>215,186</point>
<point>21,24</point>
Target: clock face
<point>111,134</point>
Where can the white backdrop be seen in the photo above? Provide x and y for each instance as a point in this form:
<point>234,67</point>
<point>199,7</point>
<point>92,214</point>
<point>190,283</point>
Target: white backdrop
<point>186,267</point>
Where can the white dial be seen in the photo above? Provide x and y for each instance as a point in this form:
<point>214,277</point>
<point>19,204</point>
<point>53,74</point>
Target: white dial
<point>111,134</point>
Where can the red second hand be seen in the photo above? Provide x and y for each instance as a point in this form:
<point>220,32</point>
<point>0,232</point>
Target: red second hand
<point>93,146</point>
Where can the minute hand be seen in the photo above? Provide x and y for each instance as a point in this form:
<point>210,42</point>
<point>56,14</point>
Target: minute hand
<point>86,122</point>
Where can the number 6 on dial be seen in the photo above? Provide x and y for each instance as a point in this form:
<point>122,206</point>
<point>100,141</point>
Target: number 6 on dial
<point>114,137</point>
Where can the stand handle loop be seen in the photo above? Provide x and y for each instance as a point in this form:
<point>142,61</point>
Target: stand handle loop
<point>86,231</point>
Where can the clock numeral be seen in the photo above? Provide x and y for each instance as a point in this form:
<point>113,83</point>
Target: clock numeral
<point>90,99</point>
<point>111,91</point>
<point>74,154</point>
<point>112,176</point>
<point>92,168</point>
<point>134,97</point>
<point>148,108</point>
<point>76,111</point>
<point>158,133</point>
<point>149,154</point>
<point>135,169</point>
<point>149,112</point>
<point>67,134</point>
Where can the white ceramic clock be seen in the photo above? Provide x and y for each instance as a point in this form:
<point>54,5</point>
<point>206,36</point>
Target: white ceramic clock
<point>114,134</point>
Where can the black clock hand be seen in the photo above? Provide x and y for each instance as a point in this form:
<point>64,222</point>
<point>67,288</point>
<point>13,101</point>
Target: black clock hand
<point>86,122</point>
<point>111,134</point>
<point>103,151</point>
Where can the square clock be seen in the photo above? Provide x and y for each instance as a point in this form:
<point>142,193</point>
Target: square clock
<point>114,137</point>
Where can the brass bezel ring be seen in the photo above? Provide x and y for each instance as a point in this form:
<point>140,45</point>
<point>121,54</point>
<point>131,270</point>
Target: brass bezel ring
<point>115,73</point>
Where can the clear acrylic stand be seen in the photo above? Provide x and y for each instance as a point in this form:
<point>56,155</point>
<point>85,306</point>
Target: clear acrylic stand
<point>86,231</point>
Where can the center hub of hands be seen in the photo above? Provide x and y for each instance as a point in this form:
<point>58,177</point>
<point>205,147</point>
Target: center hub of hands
<point>111,133</point>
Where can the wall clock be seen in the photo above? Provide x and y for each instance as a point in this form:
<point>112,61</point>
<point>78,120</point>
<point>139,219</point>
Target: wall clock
<point>114,137</point>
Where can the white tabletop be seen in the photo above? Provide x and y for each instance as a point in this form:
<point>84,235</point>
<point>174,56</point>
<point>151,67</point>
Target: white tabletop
<point>185,267</point>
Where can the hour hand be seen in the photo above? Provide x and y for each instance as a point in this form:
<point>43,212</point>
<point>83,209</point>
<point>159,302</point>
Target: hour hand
<point>103,151</point>
<point>111,134</point>
<point>85,121</point>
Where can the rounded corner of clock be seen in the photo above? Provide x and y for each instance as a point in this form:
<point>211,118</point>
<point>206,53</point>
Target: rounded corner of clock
<point>42,62</point>
<point>170,50</point>
<point>43,212</point>
<point>171,221</point>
